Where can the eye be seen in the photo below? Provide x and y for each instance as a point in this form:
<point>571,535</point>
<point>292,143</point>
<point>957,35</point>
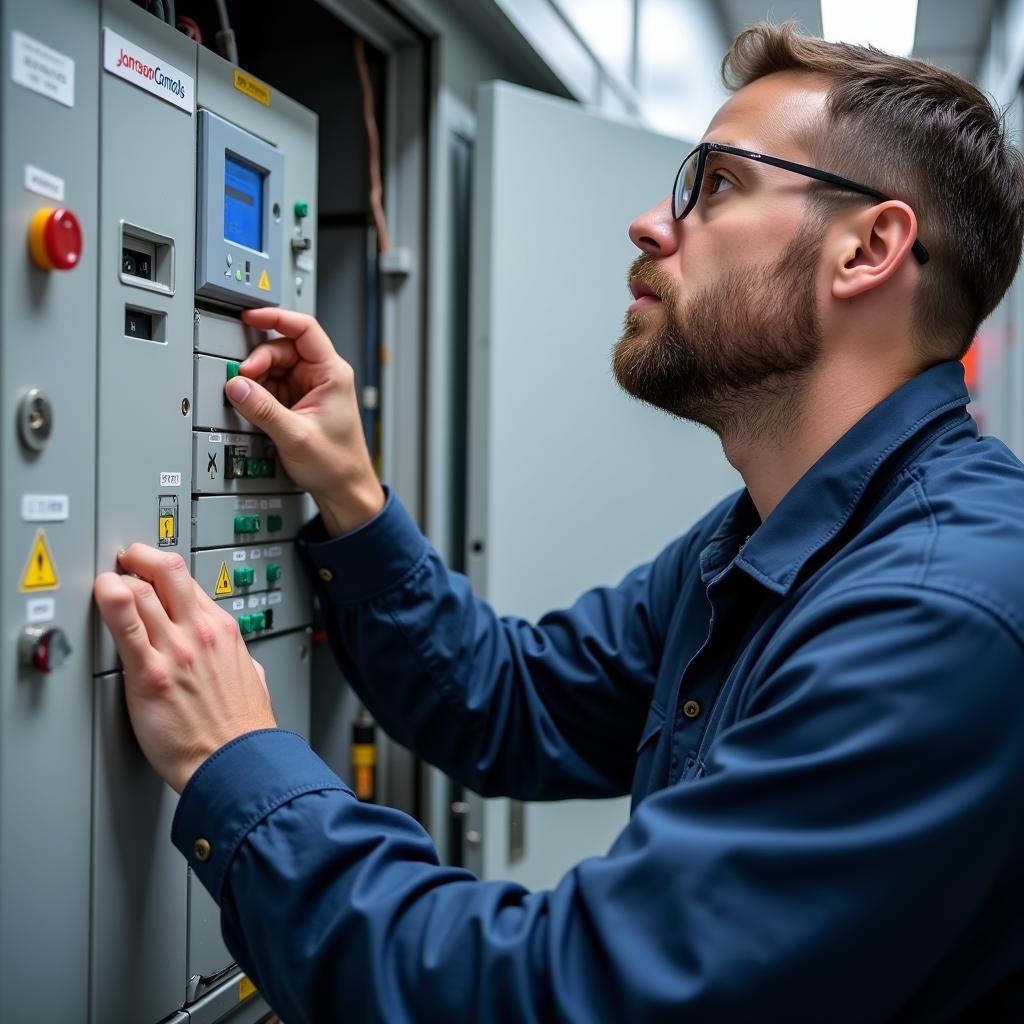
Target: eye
<point>715,183</point>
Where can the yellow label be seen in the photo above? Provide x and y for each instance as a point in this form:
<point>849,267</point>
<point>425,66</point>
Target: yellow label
<point>40,572</point>
<point>223,588</point>
<point>264,282</point>
<point>245,988</point>
<point>166,527</point>
<point>252,87</point>
<point>364,755</point>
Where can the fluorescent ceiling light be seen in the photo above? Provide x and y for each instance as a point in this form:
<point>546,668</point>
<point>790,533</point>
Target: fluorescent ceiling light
<point>887,24</point>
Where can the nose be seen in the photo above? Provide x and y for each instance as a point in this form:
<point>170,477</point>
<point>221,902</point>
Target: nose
<point>655,232</point>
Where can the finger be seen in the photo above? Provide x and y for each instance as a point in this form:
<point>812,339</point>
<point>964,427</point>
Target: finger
<point>169,575</point>
<point>155,619</point>
<point>274,357</point>
<point>116,602</point>
<point>263,410</point>
<point>311,341</point>
<point>203,599</point>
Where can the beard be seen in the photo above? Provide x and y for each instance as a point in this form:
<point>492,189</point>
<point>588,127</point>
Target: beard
<point>737,356</point>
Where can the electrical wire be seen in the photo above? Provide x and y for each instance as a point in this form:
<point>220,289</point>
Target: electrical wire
<point>373,145</point>
<point>226,36</point>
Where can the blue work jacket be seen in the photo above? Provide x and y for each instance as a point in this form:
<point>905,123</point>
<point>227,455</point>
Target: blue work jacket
<point>820,718</point>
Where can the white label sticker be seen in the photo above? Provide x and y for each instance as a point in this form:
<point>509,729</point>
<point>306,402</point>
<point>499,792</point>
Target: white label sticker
<point>276,503</point>
<point>254,602</point>
<point>45,508</point>
<point>275,597</point>
<point>273,552</point>
<point>43,183</point>
<point>238,604</point>
<point>41,69</point>
<point>125,59</point>
<point>215,438</point>
<point>40,609</point>
<point>170,479</point>
<point>254,554</point>
<point>238,556</point>
<point>249,503</point>
<point>305,262</point>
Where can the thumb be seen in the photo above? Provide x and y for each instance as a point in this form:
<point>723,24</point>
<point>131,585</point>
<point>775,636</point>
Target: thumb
<point>262,409</point>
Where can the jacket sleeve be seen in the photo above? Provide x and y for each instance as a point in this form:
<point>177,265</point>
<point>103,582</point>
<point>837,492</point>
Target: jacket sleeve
<point>837,847</point>
<point>545,711</point>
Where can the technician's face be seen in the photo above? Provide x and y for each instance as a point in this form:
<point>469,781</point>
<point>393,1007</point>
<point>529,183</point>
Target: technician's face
<point>726,315</point>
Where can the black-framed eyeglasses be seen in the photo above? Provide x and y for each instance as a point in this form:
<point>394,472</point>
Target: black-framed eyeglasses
<point>690,179</point>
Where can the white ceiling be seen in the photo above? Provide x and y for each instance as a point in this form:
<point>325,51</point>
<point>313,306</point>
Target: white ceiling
<point>952,33</point>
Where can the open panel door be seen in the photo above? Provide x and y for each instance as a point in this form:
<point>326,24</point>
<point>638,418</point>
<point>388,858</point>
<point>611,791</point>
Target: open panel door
<point>571,483</point>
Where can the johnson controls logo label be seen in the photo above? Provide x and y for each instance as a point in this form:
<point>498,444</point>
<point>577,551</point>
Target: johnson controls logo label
<point>144,70</point>
<point>123,58</point>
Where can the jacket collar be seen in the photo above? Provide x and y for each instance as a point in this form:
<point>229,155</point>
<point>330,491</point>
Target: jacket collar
<point>822,501</point>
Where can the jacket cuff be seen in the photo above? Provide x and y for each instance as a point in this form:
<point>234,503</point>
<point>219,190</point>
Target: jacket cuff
<point>235,789</point>
<point>366,562</point>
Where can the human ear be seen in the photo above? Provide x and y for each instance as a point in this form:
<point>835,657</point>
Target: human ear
<point>874,244</point>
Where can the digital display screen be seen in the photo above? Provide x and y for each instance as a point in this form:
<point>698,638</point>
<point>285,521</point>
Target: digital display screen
<point>243,203</point>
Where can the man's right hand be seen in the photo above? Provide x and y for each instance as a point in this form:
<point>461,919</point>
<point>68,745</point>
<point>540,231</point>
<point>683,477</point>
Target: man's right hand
<point>302,393</point>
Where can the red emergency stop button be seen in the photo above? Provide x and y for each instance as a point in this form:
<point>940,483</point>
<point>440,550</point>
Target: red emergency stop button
<point>55,239</point>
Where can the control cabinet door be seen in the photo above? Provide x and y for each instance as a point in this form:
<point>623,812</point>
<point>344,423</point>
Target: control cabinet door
<point>571,483</point>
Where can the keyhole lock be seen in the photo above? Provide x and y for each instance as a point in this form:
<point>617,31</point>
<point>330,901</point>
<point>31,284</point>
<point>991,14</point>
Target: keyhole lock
<point>35,419</point>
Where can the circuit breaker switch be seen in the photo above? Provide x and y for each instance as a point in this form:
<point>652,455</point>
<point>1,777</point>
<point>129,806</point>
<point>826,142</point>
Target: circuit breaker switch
<point>301,209</point>
<point>275,523</point>
<point>55,239</point>
<point>245,576</point>
<point>232,368</point>
<point>258,620</point>
<point>245,624</point>
<point>273,572</point>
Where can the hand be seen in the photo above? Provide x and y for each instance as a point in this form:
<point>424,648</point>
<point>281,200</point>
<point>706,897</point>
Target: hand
<point>302,393</point>
<point>190,683</point>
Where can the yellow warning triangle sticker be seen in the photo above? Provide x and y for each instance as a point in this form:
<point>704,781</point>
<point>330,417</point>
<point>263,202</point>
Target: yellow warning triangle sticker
<point>40,572</point>
<point>223,587</point>
<point>264,282</point>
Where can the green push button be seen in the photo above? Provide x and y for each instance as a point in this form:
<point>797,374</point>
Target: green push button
<point>258,621</point>
<point>275,523</point>
<point>301,208</point>
<point>245,624</point>
<point>229,259</point>
<point>247,524</point>
<point>238,275</point>
<point>273,572</point>
<point>233,368</point>
<point>244,576</point>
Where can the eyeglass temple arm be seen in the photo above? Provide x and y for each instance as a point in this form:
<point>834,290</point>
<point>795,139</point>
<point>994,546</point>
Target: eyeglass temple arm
<point>919,251</point>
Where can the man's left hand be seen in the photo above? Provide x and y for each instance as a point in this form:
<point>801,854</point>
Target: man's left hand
<point>190,682</point>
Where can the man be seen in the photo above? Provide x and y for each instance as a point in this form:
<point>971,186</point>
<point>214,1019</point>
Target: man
<point>816,694</point>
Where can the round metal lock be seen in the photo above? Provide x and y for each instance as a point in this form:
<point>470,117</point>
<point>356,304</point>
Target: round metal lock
<point>35,419</point>
<point>326,575</point>
<point>691,709</point>
<point>202,850</point>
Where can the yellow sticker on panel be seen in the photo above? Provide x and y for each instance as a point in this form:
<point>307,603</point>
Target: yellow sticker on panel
<point>245,988</point>
<point>264,282</point>
<point>223,588</point>
<point>40,572</point>
<point>252,87</point>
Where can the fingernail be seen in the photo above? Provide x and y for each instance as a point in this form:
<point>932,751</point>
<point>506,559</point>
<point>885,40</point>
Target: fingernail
<point>238,389</point>
<point>121,552</point>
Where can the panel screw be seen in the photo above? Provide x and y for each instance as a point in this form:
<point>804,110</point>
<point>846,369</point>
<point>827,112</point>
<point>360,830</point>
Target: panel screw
<point>186,405</point>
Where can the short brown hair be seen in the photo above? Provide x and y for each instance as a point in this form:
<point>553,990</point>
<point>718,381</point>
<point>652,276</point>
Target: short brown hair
<point>926,136</point>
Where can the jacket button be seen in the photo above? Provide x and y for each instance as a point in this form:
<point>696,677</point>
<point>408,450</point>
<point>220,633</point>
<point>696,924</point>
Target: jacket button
<point>326,575</point>
<point>202,850</point>
<point>691,709</point>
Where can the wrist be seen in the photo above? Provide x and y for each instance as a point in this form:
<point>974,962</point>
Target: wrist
<point>343,512</point>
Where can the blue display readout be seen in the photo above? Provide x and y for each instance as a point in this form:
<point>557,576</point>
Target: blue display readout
<point>243,204</point>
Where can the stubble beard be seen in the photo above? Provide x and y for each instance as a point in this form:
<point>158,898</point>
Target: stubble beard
<point>738,356</point>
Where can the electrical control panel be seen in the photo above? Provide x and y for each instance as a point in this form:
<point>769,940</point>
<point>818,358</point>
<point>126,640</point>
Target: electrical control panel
<point>151,193</point>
